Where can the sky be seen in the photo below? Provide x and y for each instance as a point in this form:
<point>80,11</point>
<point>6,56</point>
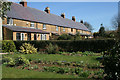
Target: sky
<point>95,13</point>
<point>67,0</point>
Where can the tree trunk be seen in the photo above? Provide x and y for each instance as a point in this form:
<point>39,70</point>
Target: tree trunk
<point>1,29</point>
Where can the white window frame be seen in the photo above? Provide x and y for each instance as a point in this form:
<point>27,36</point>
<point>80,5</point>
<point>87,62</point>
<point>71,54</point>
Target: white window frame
<point>63,29</point>
<point>56,28</point>
<point>44,26</point>
<point>33,25</point>
<point>10,21</point>
<point>22,36</point>
<point>43,36</point>
<point>17,36</point>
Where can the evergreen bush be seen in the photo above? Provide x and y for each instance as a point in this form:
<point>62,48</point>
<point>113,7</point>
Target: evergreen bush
<point>8,46</point>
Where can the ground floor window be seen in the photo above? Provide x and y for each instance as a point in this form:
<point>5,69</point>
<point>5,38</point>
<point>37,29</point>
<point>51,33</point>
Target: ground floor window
<point>29,36</point>
<point>19,36</point>
<point>43,37</point>
<point>22,36</point>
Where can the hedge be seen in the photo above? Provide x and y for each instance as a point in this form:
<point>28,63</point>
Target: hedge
<point>73,46</point>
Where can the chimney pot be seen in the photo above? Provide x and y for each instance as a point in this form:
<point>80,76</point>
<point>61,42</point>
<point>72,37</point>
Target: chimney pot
<point>23,3</point>
<point>73,18</point>
<point>63,15</point>
<point>47,9</point>
<point>81,21</point>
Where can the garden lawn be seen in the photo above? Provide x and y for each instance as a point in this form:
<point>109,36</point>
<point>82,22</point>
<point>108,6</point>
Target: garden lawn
<point>54,57</point>
<point>8,72</point>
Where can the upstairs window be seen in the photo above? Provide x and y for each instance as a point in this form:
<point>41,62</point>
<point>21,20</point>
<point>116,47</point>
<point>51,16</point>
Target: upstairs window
<point>32,25</point>
<point>44,26</point>
<point>56,28</point>
<point>63,29</point>
<point>9,21</point>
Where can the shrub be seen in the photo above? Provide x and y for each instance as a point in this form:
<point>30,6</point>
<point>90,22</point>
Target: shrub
<point>77,36</point>
<point>88,53</point>
<point>52,49</point>
<point>96,34</point>
<point>35,67</point>
<point>21,60</point>
<point>28,49</point>
<point>8,46</point>
<point>24,66</point>
<point>8,61</point>
<point>112,62</point>
<point>65,37</point>
<point>84,74</point>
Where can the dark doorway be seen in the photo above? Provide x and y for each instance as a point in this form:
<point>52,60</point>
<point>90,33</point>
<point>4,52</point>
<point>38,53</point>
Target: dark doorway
<point>35,37</point>
<point>29,36</point>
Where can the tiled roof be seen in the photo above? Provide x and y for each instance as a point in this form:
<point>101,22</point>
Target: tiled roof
<point>26,13</point>
<point>24,29</point>
<point>82,34</point>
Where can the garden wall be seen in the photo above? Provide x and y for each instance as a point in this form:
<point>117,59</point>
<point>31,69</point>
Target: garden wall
<point>73,46</point>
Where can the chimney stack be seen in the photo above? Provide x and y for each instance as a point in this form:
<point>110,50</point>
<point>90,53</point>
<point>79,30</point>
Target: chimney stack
<point>23,3</point>
<point>73,18</point>
<point>63,15</point>
<point>81,21</point>
<point>47,10</point>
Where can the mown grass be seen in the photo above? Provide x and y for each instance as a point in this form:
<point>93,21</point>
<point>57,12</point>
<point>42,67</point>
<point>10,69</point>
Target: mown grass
<point>54,57</point>
<point>8,72</point>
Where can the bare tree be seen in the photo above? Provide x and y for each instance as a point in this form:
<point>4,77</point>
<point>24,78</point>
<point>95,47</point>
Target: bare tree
<point>115,21</point>
<point>88,25</point>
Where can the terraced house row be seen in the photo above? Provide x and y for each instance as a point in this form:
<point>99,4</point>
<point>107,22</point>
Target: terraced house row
<point>25,23</point>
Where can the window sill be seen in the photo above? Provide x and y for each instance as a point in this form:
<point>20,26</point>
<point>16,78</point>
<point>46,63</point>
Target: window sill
<point>32,27</point>
<point>44,28</point>
<point>9,24</point>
